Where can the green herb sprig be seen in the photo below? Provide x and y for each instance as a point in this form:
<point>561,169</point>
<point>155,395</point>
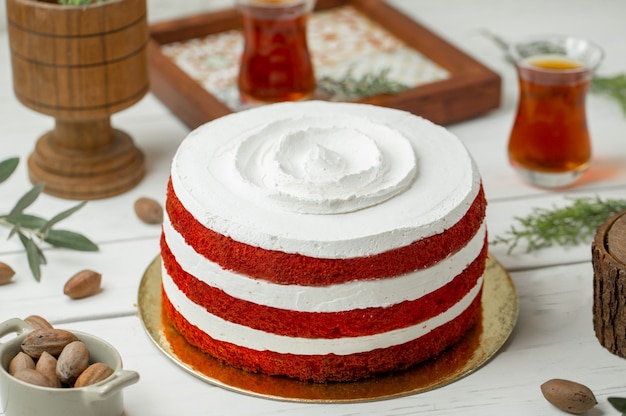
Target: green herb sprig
<point>565,226</point>
<point>613,87</point>
<point>31,228</point>
<point>349,87</point>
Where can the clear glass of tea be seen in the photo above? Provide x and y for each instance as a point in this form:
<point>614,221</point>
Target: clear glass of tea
<point>275,64</point>
<point>549,144</point>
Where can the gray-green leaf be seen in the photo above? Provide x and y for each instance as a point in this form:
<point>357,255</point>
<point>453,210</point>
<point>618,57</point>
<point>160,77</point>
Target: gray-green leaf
<point>7,167</point>
<point>61,216</point>
<point>70,239</point>
<point>34,255</point>
<point>27,221</point>
<point>619,403</point>
<point>26,200</point>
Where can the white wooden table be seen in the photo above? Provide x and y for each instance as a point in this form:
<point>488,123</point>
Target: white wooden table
<point>554,336</point>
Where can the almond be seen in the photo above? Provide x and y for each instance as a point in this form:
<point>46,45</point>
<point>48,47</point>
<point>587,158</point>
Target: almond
<point>72,361</point>
<point>31,376</point>
<point>47,366</point>
<point>47,339</point>
<point>19,362</point>
<point>83,284</point>
<point>37,322</point>
<point>6,273</point>
<point>568,396</point>
<point>149,211</point>
<point>95,373</point>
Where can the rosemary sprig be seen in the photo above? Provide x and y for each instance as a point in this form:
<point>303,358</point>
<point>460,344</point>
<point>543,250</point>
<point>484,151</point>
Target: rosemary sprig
<point>31,228</point>
<point>350,87</point>
<point>613,87</point>
<point>564,226</point>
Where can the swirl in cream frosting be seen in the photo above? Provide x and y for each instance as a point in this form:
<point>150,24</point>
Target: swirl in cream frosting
<point>325,165</point>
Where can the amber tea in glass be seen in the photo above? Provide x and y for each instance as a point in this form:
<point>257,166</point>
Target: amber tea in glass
<point>275,64</point>
<point>549,144</point>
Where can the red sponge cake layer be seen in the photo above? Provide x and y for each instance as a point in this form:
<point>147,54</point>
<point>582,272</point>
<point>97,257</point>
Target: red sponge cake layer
<point>327,368</point>
<point>288,268</point>
<point>350,323</point>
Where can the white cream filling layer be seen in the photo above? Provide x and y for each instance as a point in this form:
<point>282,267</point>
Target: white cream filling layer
<point>334,298</point>
<point>254,339</point>
<point>305,193</point>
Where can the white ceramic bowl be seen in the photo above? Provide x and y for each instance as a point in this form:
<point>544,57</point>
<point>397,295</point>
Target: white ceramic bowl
<point>18,398</point>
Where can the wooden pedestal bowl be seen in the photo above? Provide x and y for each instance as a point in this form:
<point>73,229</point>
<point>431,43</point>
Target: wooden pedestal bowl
<point>80,65</point>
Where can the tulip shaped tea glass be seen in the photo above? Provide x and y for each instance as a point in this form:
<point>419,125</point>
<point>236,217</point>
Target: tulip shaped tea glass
<point>275,64</point>
<point>549,145</point>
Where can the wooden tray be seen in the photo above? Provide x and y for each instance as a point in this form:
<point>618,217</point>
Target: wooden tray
<point>469,90</point>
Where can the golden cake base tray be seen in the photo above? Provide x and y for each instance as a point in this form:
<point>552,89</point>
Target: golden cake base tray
<point>500,307</point>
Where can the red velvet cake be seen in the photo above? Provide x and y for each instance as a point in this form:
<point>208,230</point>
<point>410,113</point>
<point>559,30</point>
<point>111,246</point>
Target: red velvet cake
<point>323,241</point>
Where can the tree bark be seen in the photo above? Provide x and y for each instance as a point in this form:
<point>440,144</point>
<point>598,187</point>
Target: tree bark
<point>609,284</point>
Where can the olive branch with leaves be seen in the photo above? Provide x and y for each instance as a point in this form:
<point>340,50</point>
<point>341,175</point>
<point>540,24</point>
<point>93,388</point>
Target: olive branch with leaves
<point>32,230</point>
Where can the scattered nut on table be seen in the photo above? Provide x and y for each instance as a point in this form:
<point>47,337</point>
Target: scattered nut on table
<point>149,211</point>
<point>6,273</point>
<point>83,284</point>
<point>568,396</point>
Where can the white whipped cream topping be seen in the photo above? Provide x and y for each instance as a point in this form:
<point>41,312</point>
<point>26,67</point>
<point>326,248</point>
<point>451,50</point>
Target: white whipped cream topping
<point>235,183</point>
<point>254,339</point>
<point>322,164</point>
<point>334,298</point>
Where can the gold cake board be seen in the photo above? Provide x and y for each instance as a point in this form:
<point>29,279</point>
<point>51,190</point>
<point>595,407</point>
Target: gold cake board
<point>500,308</point>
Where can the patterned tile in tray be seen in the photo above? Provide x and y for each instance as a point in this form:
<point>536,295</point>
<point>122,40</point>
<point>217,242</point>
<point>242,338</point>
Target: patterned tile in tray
<point>341,40</point>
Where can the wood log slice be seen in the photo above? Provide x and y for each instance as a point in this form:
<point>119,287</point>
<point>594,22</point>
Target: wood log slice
<point>609,284</point>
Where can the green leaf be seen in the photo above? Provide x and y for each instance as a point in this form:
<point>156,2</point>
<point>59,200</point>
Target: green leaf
<point>70,239</point>
<point>34,255</point>
<point>14,230</point>
<point>26,200</point>
<point>32,222</point>
<point>613,87</point>
<point>619,403</point>
<point>7,167</point>
<point>61,216</point>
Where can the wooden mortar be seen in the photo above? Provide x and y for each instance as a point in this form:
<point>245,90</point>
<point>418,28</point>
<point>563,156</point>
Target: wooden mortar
<point>609,284</point>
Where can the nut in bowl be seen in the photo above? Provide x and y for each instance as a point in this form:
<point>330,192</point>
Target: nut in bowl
<point>20,398</point>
